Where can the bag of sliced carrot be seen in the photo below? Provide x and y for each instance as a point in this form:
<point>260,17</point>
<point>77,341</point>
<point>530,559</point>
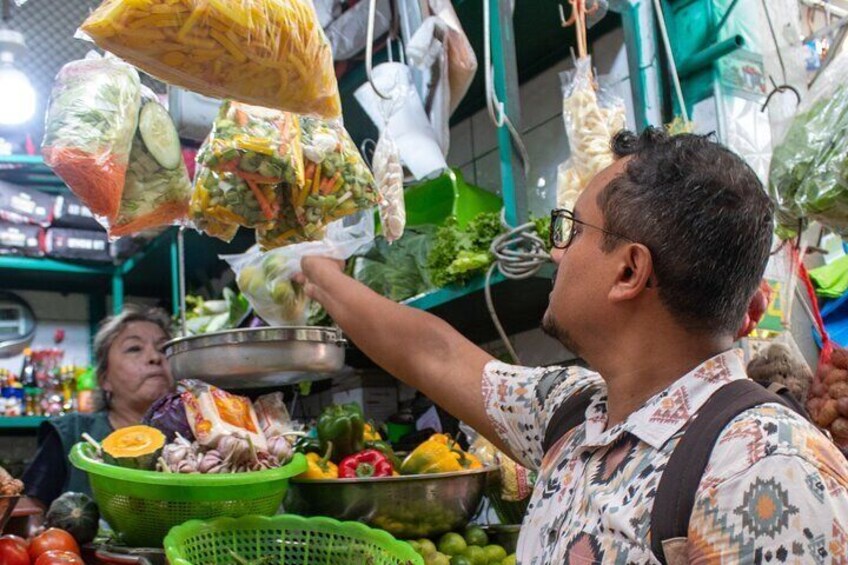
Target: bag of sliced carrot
<point>272,53</point>
<point>89,128</point>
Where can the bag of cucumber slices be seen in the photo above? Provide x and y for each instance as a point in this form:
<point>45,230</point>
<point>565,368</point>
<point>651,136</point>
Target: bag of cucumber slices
<point>157,188</point>
<point>88,132</point>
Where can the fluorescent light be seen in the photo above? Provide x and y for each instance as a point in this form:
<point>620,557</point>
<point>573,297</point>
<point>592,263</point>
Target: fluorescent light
<point>17,96</point>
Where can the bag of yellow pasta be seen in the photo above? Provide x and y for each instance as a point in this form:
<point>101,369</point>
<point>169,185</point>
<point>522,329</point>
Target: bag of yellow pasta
<point>271,53</point>
<point>337,183</point>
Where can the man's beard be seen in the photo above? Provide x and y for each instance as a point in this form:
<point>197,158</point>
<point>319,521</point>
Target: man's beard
<point>553,329</point>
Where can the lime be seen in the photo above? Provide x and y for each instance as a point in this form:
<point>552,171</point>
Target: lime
<point>460,560</point>
<point>475,535</point>
<point>415,546</point>
<point>426,547</point>
<point>475,554</point>
<point>494,553</point>
<point>437,559</point>
<point>452,544</point>
<point>510,560</point>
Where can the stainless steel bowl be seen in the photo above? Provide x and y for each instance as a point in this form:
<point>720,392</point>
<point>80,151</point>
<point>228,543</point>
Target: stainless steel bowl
<point>258,357</point>
<point>410,506</point>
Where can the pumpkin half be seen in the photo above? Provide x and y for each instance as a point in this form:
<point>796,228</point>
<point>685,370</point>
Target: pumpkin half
<point>134,447</point>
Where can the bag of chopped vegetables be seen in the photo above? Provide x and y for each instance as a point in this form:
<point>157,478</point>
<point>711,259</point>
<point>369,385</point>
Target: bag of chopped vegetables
<point>157,188</point>
<point>592,117</point>
<point>337,183</point>
<point>259,145</point>
<point>272,53</point>
<point>88,132</point>
<point>808,176</point>
<point>264,277</point>
<point>221,202</point>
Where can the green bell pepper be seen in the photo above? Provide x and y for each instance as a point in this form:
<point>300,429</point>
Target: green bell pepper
<point>308,445</point>
<point>344,427</point>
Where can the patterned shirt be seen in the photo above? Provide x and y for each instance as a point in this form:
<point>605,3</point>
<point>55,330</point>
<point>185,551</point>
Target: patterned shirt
<point>775,489</point>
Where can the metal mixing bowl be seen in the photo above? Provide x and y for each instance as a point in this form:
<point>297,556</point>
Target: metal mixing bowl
<point>411,506</point>
<point>258,357</point>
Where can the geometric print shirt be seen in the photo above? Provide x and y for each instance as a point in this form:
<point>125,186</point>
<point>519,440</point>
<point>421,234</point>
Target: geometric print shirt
<point>774,491</point>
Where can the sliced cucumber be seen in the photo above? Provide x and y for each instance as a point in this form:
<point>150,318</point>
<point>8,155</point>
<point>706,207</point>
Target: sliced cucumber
<point>159,135</point>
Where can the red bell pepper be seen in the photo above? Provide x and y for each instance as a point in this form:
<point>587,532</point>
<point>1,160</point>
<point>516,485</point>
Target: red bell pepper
<point>368,463</point>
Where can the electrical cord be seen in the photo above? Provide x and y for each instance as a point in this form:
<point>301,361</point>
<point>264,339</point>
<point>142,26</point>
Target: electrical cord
<point>519,254</point>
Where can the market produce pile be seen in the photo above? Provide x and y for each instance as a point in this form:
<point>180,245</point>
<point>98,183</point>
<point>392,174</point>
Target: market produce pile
<point>345,446</point>
<point>828,401</point>
<point>470,547</point>
<point>203,429</point>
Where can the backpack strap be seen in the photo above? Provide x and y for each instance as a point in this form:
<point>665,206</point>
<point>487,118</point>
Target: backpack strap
<point>567,416</point>
<point>675,497</point>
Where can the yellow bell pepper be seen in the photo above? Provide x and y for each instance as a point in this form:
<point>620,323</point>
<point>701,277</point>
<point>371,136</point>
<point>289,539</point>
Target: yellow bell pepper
<point>439,454</point>
<point>371,433</point>
<point>320,467</point>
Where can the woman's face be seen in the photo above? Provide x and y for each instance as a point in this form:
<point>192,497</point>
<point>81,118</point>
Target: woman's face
<point>138,372</point>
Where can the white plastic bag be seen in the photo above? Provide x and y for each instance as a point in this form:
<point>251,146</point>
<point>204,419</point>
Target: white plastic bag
<point>388,174</point>
<point>265,277</point>
<point>427,51</point>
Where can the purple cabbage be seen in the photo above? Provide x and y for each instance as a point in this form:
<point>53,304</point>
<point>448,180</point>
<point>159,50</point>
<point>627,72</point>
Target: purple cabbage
<point>168,415</point>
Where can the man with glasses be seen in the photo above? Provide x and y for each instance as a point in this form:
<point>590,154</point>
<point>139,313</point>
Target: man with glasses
<point>656,264</point>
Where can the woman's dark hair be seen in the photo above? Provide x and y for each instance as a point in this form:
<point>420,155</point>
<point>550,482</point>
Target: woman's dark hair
<point>704,215</point>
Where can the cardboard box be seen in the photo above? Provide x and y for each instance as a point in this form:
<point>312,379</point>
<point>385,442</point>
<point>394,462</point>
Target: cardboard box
<point>64,243</point>
<point>21,239</point>
<point>69,212</point>
<point>377,393</point>
<point>22,205</point>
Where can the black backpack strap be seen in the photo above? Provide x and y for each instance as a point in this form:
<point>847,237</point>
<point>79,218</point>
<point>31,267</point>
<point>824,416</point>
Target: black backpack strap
<point>678,485</point>
<point>567,416</point>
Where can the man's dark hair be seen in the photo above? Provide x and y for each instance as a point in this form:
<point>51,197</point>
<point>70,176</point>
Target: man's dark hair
<point>703,213</point>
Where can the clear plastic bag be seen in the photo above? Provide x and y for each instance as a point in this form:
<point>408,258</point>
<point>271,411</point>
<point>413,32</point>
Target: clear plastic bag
<point>264,277</point>
<point>259,145</point>
<point>427,51</point>
<point>808,177</point>
<point>337,183</point>
<point>157,188</point>
<point>592,117</point>
<point>88,132</point>
<point>271,53</point>
<point>388,174</point>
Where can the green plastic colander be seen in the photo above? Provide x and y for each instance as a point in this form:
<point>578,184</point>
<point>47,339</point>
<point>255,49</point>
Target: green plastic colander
<point>285,540</point>
<point>142,506</point>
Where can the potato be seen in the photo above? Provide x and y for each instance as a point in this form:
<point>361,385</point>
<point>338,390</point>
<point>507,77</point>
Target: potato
<point>839,358</point>
<point>835,376</point>
<point>838,390</point>
<point>839,428</point>
<point>819,390</point>
<point>827,414</point>
<point>814,405</point>
<point>842,406</point>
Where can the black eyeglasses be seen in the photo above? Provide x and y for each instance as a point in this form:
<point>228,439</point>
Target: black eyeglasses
<point>563,224</point>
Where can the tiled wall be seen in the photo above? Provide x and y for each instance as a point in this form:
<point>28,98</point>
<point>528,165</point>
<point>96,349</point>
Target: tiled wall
<point>474,147</point>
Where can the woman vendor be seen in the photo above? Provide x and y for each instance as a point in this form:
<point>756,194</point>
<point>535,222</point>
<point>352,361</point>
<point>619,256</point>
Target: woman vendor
<point>132,372</point>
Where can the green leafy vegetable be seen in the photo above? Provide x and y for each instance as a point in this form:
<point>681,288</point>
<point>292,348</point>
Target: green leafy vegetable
<point>459,254</point>
<point>206,316</point>
<point>398,271</point>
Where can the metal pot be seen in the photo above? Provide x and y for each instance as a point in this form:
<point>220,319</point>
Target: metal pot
<point>410,506</point>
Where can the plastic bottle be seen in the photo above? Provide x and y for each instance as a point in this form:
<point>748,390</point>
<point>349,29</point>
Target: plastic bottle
<point>86,391</point>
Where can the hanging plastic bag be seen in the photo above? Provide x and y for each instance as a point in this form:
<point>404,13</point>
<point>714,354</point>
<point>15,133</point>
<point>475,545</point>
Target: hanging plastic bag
<point>388,174</point>
<point>348,33</point>
<point>337,183</point>
<point>271,53</point>
<point>427,51</point>
<point>592,117</point>
<point>221,202</point>
<point>88,132</point>
<point>808,177</point>
<point>259,145</point>
<point>157,188</point>
<point>462,62</point>
<point>265,277</point>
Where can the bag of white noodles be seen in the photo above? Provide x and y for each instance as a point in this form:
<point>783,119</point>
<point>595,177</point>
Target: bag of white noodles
<point>592,117</point>
<point>264,277</point>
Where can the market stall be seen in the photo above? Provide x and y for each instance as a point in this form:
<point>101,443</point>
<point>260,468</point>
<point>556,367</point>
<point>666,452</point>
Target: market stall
<point>325,130</point>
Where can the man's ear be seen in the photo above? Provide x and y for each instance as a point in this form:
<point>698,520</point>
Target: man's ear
<point>634,274</point>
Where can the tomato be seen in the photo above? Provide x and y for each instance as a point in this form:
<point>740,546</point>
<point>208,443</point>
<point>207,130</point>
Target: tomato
<point>54,538</point>
<point>21,541</point>
<point>12,552</point>
<point>56,557</point>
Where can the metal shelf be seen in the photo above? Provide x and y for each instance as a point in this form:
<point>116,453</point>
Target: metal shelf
<point>21,422</point>
<point>30,170</point>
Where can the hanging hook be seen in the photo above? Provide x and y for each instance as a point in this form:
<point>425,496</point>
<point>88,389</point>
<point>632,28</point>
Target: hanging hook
<point>369,48</point>
<point>779,89</point>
